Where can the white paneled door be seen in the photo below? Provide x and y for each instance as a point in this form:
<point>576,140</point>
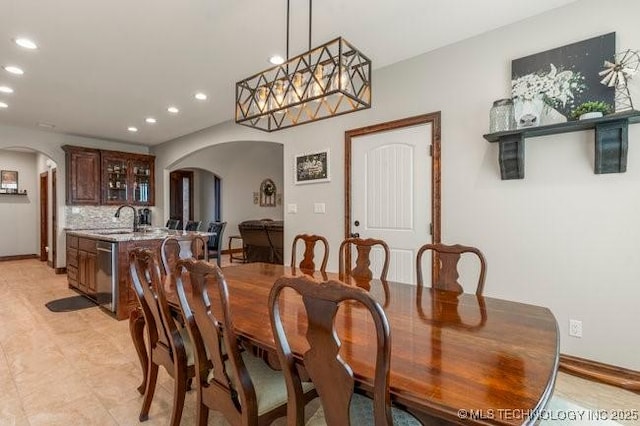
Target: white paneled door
<point>391,194</point>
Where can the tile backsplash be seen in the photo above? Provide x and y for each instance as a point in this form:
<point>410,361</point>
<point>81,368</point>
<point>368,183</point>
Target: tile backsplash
<point>93,217</point>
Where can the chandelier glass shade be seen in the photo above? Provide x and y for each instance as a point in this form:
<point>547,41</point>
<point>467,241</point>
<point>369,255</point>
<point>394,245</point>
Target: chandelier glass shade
<point>329,80</point>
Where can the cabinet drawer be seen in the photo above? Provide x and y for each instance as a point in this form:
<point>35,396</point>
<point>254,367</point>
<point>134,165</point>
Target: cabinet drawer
<point>72,275</point>
<point>72,241</point>
<point>87,245</point>
<point>72,257</point>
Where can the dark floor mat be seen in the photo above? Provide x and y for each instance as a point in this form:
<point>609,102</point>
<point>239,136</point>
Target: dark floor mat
<point>69,304</point>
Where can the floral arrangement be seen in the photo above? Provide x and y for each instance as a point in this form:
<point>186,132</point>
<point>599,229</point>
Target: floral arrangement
<point>556,87</point>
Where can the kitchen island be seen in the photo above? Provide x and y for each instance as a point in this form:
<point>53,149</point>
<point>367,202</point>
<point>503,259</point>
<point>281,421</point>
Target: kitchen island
<point>98,264</point>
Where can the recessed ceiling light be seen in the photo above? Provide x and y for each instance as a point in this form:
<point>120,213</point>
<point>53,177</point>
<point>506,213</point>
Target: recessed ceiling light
<point>3,105</point>
<point>276,60</point>
<point>26,43</point>
<point>46,125</point>
<point>132,129</point>
<point>6,89</point>
<point>200,96</point>
<point>13,69</point>
<point>151,120</point>
<point>173,110</point>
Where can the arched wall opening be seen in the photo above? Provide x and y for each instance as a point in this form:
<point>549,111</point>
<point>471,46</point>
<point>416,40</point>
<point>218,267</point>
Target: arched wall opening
<point>241,166</point>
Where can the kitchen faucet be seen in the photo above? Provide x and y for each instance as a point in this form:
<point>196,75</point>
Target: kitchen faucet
<point>135,215</point>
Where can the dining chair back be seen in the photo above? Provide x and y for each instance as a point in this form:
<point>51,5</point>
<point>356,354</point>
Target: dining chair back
<point>214,245</point>
<point>193,225</point>
<point>309,252</point>
<point>446,260</point>
<point>169,346</point>
<point>363,247</point>
<point>176,247</point>
<point>173,224</point>
<point>238,384</point>
<point>331,375</point>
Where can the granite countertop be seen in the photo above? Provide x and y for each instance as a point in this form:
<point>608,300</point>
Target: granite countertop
<point>118,235</point>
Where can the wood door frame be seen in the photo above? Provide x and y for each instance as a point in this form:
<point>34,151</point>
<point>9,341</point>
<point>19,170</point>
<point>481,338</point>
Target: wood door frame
<point>54,217</point>
<point>431,118</point>
<point>44,216</point>
<point>181,174</point>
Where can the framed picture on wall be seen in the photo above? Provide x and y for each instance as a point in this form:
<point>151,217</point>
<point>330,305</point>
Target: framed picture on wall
<point>9,179</point>
<point>546,87</point>
<point>312,167</point>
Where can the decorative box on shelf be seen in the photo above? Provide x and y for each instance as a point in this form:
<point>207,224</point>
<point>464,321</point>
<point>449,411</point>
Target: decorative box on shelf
<point>611,142</point>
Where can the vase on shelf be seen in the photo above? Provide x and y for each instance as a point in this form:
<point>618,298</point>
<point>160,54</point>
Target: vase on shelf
<point>501,116</point>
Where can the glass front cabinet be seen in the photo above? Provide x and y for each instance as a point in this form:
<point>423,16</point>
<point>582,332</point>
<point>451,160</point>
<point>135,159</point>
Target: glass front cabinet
<point>127,179</point>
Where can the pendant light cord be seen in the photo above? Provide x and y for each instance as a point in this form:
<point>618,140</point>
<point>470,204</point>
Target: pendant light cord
<point>287,30</point>
<point>310,9</point>
<point>289,20</point>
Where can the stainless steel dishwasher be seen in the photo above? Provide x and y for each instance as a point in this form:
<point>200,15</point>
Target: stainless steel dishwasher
<point>107,279</point>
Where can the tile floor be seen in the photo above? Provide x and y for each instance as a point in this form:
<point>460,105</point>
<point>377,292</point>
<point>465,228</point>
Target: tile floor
<point>80,368</point>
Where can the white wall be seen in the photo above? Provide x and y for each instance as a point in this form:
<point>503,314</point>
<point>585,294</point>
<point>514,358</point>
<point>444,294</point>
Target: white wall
<point>562,237</point>
<point>241,167</point>
<point>207,197</point>
<point>49,144</point>
<point>20,215</point>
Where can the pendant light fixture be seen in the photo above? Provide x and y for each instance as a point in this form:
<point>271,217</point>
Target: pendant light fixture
<point>329,80</point>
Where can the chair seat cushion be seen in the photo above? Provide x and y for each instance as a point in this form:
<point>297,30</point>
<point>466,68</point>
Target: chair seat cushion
<point>271,390</point>
<point>361,414</point>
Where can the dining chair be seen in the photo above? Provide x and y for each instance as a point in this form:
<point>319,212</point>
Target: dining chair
<point>214,245</point>
<point>193,225</point>
<point>173,224</point>
<point>309,252</point>
<point>361,269</point>
<point>330,374</point>
<point>168,346</point>
<point>238,384</point>
<point>176,247</point>
<point>447,258</point>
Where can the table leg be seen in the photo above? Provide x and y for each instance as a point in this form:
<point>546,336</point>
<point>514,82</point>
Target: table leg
<point>136,328</point>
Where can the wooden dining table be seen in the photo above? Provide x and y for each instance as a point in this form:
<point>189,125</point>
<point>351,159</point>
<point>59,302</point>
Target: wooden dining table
<point>455,358</point>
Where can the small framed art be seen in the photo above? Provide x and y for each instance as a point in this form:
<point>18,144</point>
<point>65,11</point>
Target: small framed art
<point>9,180</point>
<point>312,167</point>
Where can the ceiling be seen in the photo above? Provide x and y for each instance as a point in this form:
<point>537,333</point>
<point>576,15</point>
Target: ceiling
<point>102,66</point>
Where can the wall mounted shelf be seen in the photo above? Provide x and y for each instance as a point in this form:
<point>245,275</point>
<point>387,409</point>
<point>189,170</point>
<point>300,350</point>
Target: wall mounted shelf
<point>611,142</point>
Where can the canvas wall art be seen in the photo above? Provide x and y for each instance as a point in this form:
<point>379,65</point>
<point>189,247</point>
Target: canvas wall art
<point>547,86</point>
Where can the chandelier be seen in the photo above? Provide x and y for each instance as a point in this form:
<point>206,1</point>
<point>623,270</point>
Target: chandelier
<point>329,80</point>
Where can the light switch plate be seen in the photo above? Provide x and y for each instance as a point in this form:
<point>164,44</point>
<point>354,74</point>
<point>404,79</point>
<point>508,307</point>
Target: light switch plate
<point>292,208</point>
<point>75,210</point>
<point>319,208</point>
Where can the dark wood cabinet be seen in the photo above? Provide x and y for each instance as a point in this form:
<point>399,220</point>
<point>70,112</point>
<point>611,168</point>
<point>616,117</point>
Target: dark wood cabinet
<point>82,265</point>
<point>83,175</point>
<point>72,261</point>
<point>127,179</point>
<point>104,177</point>
<point>87,266</point>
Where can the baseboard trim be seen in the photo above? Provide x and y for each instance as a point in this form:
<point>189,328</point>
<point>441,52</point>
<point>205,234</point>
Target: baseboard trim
<point>60,271</point>
<point>600,372</point>
<point>49,264</point>
<point>19,257</point>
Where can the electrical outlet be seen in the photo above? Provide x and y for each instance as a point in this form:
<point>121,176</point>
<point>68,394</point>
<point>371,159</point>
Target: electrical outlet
<point>575,328</point>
